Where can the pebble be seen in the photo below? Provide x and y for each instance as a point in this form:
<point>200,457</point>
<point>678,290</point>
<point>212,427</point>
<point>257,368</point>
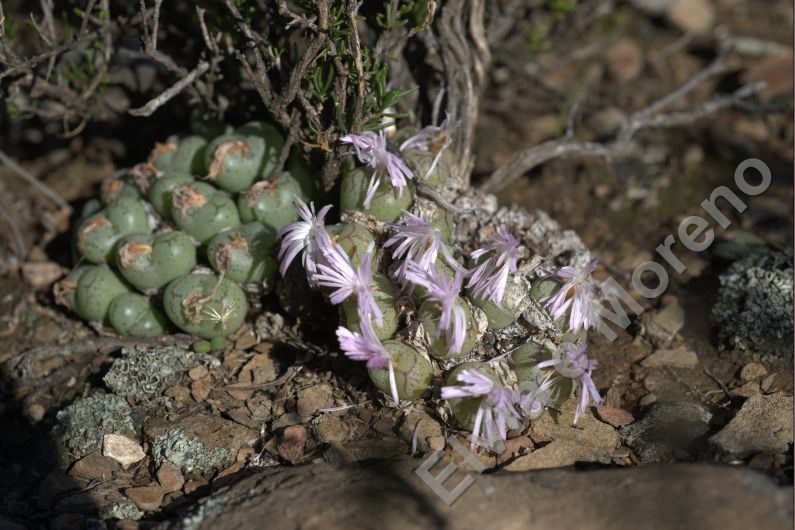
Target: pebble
<point>670,431</point>
<point>193,486</point>
<point>41,275</point>
<point>662,326</point>
<point>200,389</point>
<point>624,59</point>
<point>762,425</point>
<point>614,416</point>
<point>752,371</point>
<point>170,478</point>
<point>93,466</point>
<point>148,498</point>
<point>647,400</point>
<point>421,426</point>
<point>313,399</point>
<point>294,438</point>
<point>197,372</point>
<point>692,16</point>
<point>122,449</point>
<point>330,429</point>
<point>674,358</point>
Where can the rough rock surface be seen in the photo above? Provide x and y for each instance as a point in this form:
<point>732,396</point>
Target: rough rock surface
<point>390,495</point>
<point>670,431</point>
<point>763,425</point>
<point>754,307</point>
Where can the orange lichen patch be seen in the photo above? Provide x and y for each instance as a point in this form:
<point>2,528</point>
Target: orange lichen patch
<point>63,288</point>
<point>259,188</point>
<point>186,197</point>
<point>91,225</point>
<point>224,150</point>
<point>111,188</point>
<point>161,148</point>
<point>239,242</point>
<point>131,253</point>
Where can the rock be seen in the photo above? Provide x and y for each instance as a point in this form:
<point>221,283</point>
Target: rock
<point>314,398</point>
<point>93,466</point>
<point>199,442</point>
<point>197,372</point>
<point>170,479</point>
<point>624,59</point>
<point>200,389</point>
<point>754,306</point>
<point>330,429</point>
<point>260,369</point>
<point>122,449</point>
<point>775,70</point>
<point>565,444</point>
<point>670,431</point>
<point>763,425</point>
<point>647,400</point>
<point>705,497</point>
<point>692,16</point>
<point>662,326</point>
<point>41,275</point>
<point>752,371</point>
<point>193,486</point>
<point>144,373</point>
<point>513,448</point>
<point>614,416</point>
<point>291,447</point>
<point>148,498</point>
<point>423,425</point>
<point>606,122</point>
<point>680,357</point>
<point>82,425</point>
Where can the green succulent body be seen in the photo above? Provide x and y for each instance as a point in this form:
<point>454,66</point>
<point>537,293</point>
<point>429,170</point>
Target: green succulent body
<point>413,372</point>
<point>465,409</point>
<point>151,261</point>
<point>234,161</point>
<point>244,254</point>
<point>354,240</point>
<point>205,305</point>
<point>96,289</point>
<point>134,315</point>
<point>525,359</point>
<point>270,202</point>
<point>160,191</point>
<point>384,295</point>
<point>429,314</point>
<point>387,203</point>
<point>189,157</point>
<point>97,235</point>
<point>202,211</point>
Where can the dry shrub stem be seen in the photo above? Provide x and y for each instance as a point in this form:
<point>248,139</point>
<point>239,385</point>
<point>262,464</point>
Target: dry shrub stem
<point>649,117</point>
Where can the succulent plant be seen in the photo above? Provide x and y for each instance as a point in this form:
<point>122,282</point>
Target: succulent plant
<point>218,192</point>
<point>244,254</point>
<point>151,261</point>
<point>270,202</point>
<point>202,210</point>
<point>135,315</point>
<point>387,203</point>
<point>97,235</point>
<point>465,409</point>
<point>205,305</point>
<point>413,372</point>
<point>96,289</point>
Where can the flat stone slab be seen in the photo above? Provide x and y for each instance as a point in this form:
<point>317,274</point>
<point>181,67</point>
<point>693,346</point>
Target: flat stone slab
<point>388,494</point>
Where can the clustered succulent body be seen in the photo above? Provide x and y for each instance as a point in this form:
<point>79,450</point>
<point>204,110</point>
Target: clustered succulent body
<point>180,240</point>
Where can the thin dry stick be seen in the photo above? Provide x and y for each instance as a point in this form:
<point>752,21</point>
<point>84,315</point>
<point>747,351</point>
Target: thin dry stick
<point>170,92</point>
<point>33,181</point>
<point>649,117</point>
